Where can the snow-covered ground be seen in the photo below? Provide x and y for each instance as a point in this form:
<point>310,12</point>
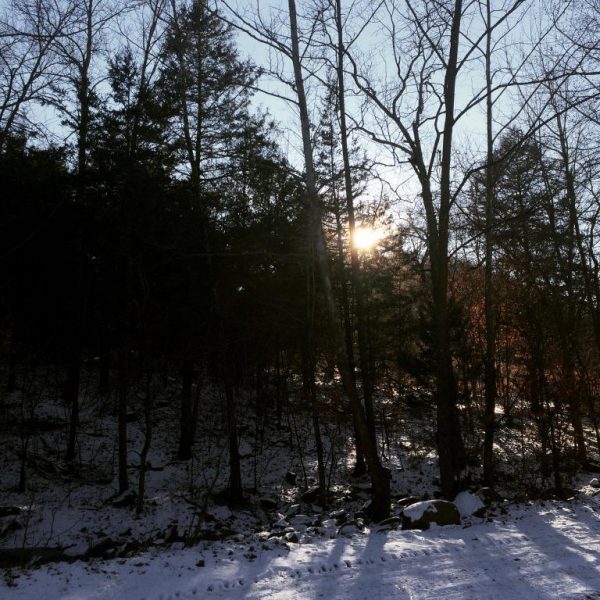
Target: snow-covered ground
<point>283,548</point>
<point>549,551</point>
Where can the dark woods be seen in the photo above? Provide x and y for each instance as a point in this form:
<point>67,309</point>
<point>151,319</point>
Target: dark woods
<point>167,242</point>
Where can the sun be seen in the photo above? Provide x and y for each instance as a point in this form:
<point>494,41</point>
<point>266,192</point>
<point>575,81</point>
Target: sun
<point>366,238</point>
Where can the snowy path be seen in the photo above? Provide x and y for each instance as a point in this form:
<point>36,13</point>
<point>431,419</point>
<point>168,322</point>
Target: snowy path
<point>542,552</point>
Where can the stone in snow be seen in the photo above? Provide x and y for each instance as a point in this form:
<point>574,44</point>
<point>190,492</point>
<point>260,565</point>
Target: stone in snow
<point>292,510</point>
<point>421,514</point>
<point>301,521</point>
<point>268,503</point>
<point>469,504</point>
<point>595,483</point>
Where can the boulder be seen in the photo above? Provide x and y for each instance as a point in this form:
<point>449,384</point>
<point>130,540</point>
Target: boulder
<point>421,514</point>
<point>488,495</point>
<point>103,549</point>
<point>469,505</point>
<point>389,523</point>
<point>292,510</point>
<point>407,501</point>
<point>290,477</point>
<point>125,500</point>
<point>301,521</point>
<point>268,503</point>
<point>349,529</point>
<point>281,523</point>
<point>339,516</point>
<point>310,496</point>
<point>292,537</point>
<point>12,557</point>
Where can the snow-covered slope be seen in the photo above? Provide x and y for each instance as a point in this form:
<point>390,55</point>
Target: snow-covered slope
<point>550,552</point>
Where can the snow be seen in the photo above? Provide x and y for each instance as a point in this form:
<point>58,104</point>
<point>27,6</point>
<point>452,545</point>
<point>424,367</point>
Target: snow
<point>468,504</point>
<point>537,552</point>
<point>534,551</point>
<point>415,511</point>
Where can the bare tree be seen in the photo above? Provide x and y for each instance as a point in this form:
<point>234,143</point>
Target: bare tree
<point>287,45</point>
<point>29,67</point>
<point>414,108</point>
<point>78,51</point>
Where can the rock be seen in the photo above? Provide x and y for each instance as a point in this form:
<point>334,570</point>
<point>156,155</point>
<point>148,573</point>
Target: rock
<point>172,535</point>
<point>595,483</point>
<point>469,505</point>
<point>275,534</point>
<point>421,514</point>
<point>310,496</point>
<point>292,537</point>
<point>77,551</point>
<point>349,529</point>
<point>211,535</point>
<point>389,523</point>
<point>125,500</point>
<point>365,487</point>
<point>300,521</point>
<point>131,548</point>
<point>13,526</point>
<point>104,549</point>
<point>282,523</point>
<point>219,513</point>
<point>292,510</point>
<point>12,557</point>
<point>328,528</point>
<point>268,503</point>
<point>407,501</point>
<point>488,495</point>
<point>245,449</point>
<point>290,477</point>
<point>592,466</point>
<point>338,515</point>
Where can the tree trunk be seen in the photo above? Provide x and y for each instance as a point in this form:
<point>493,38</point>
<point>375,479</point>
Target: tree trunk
<point>146,446</point>
<point>490,320</point>
<point>380,477</point>
<point>186,428</point>
<point>356,274</point>
<point>235,474</point>
<point>72,399</point>
<point>122,417</point>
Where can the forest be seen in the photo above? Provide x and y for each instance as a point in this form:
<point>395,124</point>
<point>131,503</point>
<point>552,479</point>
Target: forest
<point>308,258</point>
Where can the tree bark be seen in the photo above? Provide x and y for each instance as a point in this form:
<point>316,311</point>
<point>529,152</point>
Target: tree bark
<point>380,476</point>
<point>356,275</point>
<point>489,307</point>
<point>186,436</point>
